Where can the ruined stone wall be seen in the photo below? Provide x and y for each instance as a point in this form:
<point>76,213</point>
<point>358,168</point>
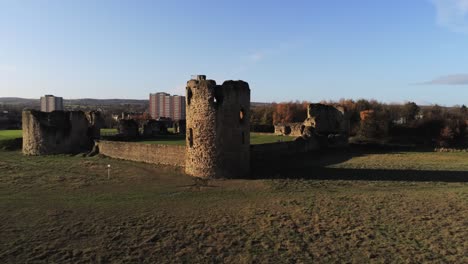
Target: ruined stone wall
<point>233,129</point>
<point>218,129</point>
<point>128,128</point>
<point>153,127</point>
<point>149,153</point>
<point>327,119</point>
<point>176,155</point>
<point>289,129</point>
<point>59,132</point>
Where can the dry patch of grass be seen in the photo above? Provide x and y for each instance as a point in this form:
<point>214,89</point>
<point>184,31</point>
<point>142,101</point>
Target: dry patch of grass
<point>65,209</point>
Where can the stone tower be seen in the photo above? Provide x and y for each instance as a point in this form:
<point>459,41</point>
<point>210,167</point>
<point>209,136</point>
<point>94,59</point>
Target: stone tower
<point>218,128</point>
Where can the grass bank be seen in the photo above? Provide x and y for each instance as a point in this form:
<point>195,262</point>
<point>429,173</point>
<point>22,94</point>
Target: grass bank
<point>255,138</point>
<point>65,209</point>
<point>10,134</point>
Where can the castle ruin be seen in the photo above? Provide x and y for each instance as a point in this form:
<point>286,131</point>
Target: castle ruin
<point>128,128</point>
<point>327,119</point>
<point>59,132</point>
<point>217,133</point>
<point>218,128</point>
<point>329,124</point>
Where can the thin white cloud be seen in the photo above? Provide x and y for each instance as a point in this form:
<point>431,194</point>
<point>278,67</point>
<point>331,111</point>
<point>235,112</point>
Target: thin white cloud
<point>454,79</point>
<point>257,56</point>
<point>452,14</point>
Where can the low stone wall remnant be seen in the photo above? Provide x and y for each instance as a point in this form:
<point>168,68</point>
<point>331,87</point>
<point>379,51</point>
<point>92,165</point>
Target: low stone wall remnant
<point>149,153</point>
<point>290,129</point>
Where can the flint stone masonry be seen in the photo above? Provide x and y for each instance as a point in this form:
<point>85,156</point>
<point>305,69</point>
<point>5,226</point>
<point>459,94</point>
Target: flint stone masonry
<point>218,128</point>
<point>149,153</point>
<point>59,132</point>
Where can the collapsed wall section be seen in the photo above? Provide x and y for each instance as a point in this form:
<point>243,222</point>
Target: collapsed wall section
<point>59,132</point>
<point>290,129</point>
<point>327,119</point>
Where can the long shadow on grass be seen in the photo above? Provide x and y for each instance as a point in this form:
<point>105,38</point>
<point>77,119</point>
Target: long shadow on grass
<point>314,167</point>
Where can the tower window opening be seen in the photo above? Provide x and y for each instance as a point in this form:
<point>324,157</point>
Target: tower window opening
<point>190,137</point>
<point>243,138</point>
<point>241,115</point>
<point>189,95</point>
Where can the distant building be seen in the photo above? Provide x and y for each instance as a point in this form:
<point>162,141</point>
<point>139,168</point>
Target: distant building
<point>165,105</point>
<point>51,103</point>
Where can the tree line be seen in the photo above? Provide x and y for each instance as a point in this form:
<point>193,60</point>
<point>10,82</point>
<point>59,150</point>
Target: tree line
<point>371,120</point>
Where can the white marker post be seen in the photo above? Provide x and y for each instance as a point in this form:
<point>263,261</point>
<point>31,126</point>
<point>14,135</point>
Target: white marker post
<point>108,171</point>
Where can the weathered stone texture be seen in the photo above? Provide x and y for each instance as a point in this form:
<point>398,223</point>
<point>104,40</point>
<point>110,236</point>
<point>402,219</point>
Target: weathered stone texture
<point>149,153</point>
<point>59,132</point>
<point>289,129</point>
<point>218,129</point>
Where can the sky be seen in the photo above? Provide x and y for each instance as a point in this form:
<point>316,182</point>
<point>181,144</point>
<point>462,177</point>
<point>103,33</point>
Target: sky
<point>391,51</point>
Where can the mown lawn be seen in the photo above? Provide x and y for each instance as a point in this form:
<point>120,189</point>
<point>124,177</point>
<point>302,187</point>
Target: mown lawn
<point>65,209</point>
<point>10,134</point>
<point>255,138</point>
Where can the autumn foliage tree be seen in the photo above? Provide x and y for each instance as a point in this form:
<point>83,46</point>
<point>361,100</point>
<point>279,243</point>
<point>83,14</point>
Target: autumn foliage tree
<point>290,112</point>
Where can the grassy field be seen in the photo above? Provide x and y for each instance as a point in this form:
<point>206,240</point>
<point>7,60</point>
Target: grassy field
<point>65,209</point>
<point>262,138</point>
<point>255,138</point>
<point>108,130</point>
<point>10,134</point>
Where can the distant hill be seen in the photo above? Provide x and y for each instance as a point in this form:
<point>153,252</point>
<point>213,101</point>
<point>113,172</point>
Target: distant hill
<point>84,101</point>
<point>90,101</point>
<point>254,104</point>
<point>17,100</point>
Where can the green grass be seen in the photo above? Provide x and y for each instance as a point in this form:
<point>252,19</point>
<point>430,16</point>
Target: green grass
<point>10,134</point>
<point>109,130</point>
<point>255,138</point>
<point>263,138</point>
<point>64,208</point>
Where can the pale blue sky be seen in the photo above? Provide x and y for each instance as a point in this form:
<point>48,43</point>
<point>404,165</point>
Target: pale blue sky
<point>392,51</point>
